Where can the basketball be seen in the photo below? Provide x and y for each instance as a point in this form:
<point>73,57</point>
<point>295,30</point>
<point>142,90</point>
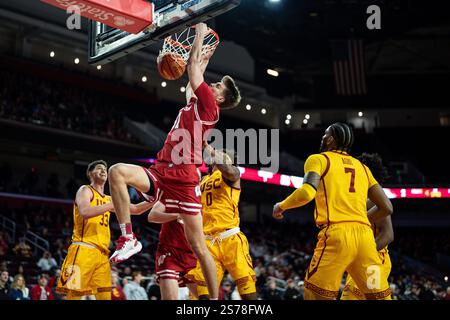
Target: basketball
<point>171,66</point>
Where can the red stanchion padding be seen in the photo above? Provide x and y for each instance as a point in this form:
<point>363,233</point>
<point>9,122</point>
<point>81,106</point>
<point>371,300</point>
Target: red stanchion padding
<point>129,15</point>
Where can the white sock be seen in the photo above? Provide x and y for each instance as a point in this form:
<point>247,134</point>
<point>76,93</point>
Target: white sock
<point>123,230</point>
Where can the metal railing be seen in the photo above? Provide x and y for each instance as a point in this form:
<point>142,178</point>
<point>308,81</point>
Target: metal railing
<point>10,226</point>
<point>37,241</point>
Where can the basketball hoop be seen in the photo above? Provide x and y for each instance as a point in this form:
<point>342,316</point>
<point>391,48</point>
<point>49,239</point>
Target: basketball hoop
<point>180,44</point>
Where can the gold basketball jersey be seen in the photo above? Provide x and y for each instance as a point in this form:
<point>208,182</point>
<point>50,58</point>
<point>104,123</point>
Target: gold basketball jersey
<point>95,230</point>
<point>219,204</point>
<point>343,189</point>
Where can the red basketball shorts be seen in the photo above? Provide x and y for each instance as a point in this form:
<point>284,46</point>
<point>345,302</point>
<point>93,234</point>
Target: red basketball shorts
<point>174,263</point>
<point>176,186</point>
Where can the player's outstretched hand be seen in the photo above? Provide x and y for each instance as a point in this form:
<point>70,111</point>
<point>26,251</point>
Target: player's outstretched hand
<point>277,212</point>
<point>201,28</point>
<point>208,52</point>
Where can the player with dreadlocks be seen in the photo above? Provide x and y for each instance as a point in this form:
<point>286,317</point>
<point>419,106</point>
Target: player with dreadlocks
<point>382,229</point>
<point>340,185</point>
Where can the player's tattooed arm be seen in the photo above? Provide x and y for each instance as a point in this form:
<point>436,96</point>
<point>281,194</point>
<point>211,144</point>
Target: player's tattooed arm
<point>83,202</point>
<point>223,162</point>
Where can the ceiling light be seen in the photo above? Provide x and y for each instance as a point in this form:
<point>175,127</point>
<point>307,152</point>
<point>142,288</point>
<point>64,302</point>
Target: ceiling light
<point>272,72</point>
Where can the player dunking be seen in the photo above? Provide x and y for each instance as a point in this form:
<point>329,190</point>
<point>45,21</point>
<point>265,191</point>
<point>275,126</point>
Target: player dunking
<point>383,231</point>
<point>177,185</point>
<point>228,245</point>
<point>340,185</point>
<point>86,268</point>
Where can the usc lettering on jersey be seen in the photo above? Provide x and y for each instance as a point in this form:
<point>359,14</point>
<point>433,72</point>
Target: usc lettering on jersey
<point>343,189</point>
<point>95,230</point>
<point>220,204</point>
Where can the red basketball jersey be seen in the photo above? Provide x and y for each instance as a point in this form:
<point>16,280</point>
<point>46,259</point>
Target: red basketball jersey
<point>172,235</point>
<point>184,143</point>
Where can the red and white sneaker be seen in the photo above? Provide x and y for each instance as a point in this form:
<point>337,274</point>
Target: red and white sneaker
<point>126,247</point>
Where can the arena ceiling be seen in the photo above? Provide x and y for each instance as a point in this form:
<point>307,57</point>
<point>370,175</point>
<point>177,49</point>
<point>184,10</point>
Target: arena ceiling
<point>293,37</point>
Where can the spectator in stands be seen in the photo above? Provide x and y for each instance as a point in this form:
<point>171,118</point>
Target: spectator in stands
<point>59,251</point>
<point>4,285</point>
<point>235,294</point>
<point>447,295</point>
<point>49,103</point>
<point>272,293</point>
<point>153,291</point>
<point>301,289</point>
<point>20,269</point>
<point>127,272</point>
<point>117,291</point>
<point>3,245</point>
<point>227,290</point>
<point>55,273</point>
<point>41,291</point>
<point>22,249</point>
<point>47,262</point>
<point>421,292</point>
<point>19,290</point>
<point>133,290</point>
<point>67,230</point>
<point>291,292</point>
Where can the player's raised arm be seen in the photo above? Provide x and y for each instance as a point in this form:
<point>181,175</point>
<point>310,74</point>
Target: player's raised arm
<point>194,66</point>
<point>83,202</point>
<point>158,214</point>
<point>203,64</point>
<point>314,168</point>
<point>137,209</point>
<point>223,162</point>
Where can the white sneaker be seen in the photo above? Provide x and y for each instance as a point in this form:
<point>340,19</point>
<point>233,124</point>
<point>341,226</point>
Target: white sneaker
<point>126,247</point>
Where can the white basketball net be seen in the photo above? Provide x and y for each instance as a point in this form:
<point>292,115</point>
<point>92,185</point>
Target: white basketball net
<point>181,43</point>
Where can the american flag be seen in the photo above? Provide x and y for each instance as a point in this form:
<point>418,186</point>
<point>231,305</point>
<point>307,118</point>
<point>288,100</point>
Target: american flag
<point>348,67</point>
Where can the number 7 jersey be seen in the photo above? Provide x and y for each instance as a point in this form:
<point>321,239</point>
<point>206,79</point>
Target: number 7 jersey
<point>343,189</point>
<point>94,231</point>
